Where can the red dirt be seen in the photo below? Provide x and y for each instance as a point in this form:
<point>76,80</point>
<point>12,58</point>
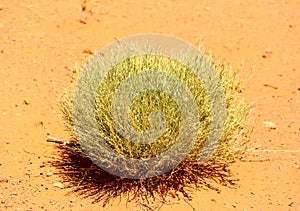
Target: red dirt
<point>42,40</point>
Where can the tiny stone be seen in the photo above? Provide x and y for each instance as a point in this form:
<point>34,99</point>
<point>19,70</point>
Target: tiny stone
<point>58,184</point>
<point>267,53</point>
<point>270,125</point>
<point>3,179</point>
<point>26,101</point>
<point>49,174</point>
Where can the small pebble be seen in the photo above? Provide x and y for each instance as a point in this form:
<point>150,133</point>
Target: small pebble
<point>3,179</point>
<point>49,174</point>
<point>26,101</point>
<point>58,185</point>
<point>270,125</point>
<point>267,53</point>
<point>2,7</point>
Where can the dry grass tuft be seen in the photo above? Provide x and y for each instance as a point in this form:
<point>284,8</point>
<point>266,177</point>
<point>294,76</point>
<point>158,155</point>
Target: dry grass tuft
<point>89,180</point>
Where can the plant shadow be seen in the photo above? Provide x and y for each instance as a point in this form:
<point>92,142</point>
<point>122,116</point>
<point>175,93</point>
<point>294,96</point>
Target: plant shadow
<point>82,176</point>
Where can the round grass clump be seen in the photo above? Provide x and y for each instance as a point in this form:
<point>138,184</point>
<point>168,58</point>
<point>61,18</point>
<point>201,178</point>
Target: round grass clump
<point>190,172</point>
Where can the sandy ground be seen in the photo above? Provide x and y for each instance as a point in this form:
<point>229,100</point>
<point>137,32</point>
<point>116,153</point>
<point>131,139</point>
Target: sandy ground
<point>42,40</point>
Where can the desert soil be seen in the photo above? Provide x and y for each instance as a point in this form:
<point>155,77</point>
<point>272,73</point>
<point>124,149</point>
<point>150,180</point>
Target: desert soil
<point>42,40</point>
